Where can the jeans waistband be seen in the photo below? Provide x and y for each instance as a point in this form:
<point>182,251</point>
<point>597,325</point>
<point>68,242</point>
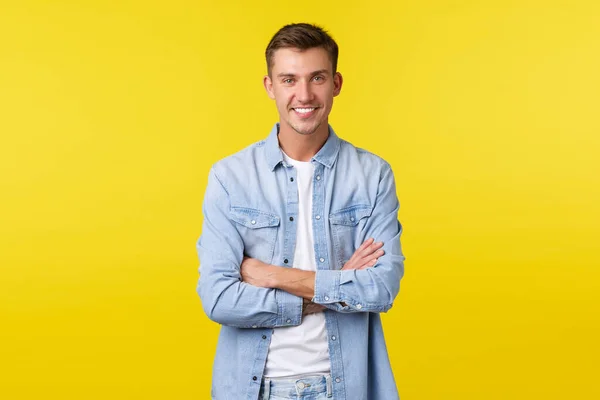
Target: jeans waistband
<point>300,386</point>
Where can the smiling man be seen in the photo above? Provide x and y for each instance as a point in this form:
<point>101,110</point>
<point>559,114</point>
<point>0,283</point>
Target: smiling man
<point>300,247</point>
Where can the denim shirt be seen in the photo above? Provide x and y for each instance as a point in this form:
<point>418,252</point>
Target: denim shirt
<point>248,207</point>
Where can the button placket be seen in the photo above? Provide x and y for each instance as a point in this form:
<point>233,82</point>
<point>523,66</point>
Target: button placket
<point>291,210</point>
<point>318,212</point>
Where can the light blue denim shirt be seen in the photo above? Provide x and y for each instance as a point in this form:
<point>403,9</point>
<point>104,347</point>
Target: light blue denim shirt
<point>249,200</point>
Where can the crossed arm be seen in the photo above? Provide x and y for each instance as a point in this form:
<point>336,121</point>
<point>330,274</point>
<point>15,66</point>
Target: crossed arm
<point>299,282</point>
<point>247,293</point>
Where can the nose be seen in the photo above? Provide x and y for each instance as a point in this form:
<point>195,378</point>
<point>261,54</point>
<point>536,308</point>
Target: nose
<point>304,92</point>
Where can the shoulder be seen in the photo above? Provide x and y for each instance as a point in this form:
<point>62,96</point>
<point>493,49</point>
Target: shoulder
<point>242,161</point>
<point>367,161</point>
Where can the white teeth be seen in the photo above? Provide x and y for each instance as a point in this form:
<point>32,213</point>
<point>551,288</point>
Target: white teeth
<point>304,110</point>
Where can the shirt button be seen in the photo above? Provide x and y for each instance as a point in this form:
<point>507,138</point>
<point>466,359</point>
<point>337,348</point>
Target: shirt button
<point>333,338</point>
<point>326,298</point>
<point>291,179</point>
<point>285,261</point>
<point>265,336</point>
<point>318,217</point>
<point>301,385</point>
<point>289,321</point>
<point>318,177</point>
<point>291,218</point>
<point>253,222</point>
<point>338,380</point>
<point>352,219</point>
<point>255,378</point>
<point>359,306</point>
<point>322,259</point>
<point>254,326</point>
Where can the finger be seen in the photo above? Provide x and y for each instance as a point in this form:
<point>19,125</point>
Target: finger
<point>359,254</point>
<point>351,265</point>
<point>378,253</point>
<point>372,248</point>
<point>353,262</point>
<point>369,264</point>
<point>365,262</point>
<point>376,246</point>
<point>365,244</point>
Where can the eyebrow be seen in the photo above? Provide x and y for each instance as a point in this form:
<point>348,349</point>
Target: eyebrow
<point>284,74</point>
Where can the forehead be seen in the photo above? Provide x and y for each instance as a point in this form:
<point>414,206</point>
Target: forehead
<point>298,62</point>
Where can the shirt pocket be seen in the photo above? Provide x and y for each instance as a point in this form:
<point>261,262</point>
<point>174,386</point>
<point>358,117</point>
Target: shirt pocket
<point>345,227</point>
<point>258,230</point>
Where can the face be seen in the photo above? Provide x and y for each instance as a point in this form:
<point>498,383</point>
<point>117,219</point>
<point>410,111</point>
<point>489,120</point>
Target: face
<point>303,86</point>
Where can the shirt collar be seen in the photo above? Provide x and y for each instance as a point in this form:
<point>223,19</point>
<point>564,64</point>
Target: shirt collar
<point>326,155</point>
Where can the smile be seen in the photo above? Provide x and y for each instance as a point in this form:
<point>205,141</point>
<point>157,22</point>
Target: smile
<point>304,112</point>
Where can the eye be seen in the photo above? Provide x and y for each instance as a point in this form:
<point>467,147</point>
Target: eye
<point>288,81</point>
<point>318,78</point>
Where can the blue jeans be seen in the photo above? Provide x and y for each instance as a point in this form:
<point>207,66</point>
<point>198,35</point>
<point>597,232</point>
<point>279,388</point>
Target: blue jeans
<point>316,387</point>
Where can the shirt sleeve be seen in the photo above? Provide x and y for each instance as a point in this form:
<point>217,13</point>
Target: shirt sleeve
<point>225,298</point>
<point>372,289</point>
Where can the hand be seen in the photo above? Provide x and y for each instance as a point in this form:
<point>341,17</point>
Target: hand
<point>365,256</point>
<point>308,307</point>
<point>256,272</point>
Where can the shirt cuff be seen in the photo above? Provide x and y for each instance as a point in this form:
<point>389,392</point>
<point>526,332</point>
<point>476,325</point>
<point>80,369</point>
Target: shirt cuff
<point>327,286</point>
<point>289,308</point>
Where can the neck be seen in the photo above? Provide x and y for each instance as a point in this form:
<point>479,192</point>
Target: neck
<point>302,147</point>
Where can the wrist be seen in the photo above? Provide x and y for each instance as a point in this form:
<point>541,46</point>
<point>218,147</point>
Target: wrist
<point>274,276</point>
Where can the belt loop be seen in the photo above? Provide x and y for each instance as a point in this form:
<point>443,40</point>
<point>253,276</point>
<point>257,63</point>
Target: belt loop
<point>328,384</point>
<point>267,391</point>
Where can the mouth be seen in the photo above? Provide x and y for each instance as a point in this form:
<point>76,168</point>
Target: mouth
<point>305,112</point>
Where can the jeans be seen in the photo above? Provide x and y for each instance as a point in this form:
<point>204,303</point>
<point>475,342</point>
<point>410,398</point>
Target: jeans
<point>316,387</point>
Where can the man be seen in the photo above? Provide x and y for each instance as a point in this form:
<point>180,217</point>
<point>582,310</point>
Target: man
<point>288,261</point>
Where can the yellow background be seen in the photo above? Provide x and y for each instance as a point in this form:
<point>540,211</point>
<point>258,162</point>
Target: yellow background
<point>112,112</point>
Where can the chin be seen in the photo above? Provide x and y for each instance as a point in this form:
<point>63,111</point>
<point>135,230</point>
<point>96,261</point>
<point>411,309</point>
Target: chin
<point>306,130</point>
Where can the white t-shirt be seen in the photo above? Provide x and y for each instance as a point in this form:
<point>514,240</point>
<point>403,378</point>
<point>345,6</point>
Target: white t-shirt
<point>302,349</point>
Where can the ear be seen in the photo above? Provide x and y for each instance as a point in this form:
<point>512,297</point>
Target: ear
<point>337,83</point>
<point>268,84</point>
